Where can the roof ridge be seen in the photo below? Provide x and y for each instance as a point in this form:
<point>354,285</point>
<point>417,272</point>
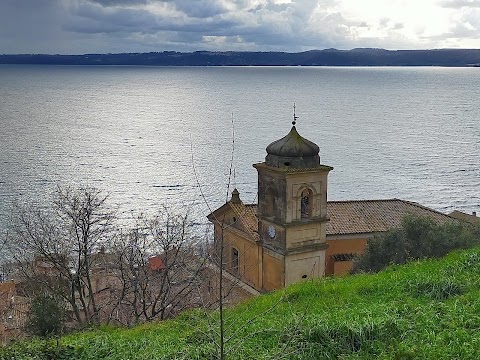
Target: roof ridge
<point>362,200</point>
<point>427,208</point>
<point>351,201</point>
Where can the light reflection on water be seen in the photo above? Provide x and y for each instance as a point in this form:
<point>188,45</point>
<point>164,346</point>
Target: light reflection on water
<point>409,133</point>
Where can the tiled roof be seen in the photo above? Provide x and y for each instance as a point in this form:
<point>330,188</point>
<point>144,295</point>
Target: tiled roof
<point>246,214</point>
<point>471,218</point>
<point>354,216</point>
<point>343,256</point>
<point>7,287</point>
<point>155,263</point>
<point>367,216</point>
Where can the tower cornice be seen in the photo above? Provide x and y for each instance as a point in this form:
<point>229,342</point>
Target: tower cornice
<point>320,167</point>
<point>294,223</point>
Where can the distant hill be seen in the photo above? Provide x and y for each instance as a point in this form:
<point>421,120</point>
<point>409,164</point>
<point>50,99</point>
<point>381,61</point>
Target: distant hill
<point>327,57</point>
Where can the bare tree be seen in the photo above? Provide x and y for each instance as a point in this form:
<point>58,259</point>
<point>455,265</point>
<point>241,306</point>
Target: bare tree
<point>52,248</point>
<point>158,266</point>
<point>3,260</point>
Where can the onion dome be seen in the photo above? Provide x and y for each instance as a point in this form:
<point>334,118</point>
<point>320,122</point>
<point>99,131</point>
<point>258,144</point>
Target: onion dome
<point>293,151</point>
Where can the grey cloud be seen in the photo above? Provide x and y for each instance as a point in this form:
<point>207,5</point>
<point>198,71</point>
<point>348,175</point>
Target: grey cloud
<point>118,18</point>
<point>199,8</point>
<point>300,30</point>
<point>457,4</point>
<point>30,26</point>
<point>463,31</point>
<point>119,2</point>
<point>466,27</point>
<point>387,24</point>
<point>456,33</point>
<point>207,19</point>
<point>109,25</point>
<point>270,6</point>
<point>82,26</point>
<point>384,22</point>
<point>304,8</point>
<point>398,26</point>
<point>140,25</point>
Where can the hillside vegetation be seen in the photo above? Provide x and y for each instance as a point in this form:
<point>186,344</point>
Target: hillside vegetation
<point>417,238</point>
<point>427,309</point>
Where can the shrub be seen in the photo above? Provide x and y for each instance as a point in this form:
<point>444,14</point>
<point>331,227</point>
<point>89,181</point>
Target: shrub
<point>417,238</point>
<point>46,317</point>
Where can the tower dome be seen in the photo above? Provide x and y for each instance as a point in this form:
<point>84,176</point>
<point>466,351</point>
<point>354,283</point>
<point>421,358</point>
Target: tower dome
<point>293,151</point>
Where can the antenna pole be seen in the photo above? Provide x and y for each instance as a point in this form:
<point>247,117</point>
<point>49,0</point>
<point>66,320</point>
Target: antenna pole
<point>295,117</point>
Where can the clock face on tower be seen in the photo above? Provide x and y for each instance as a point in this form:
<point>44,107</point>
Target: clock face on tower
<point>271,231</point>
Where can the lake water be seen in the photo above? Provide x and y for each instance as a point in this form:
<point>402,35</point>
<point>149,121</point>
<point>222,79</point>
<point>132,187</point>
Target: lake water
<point>137,132</point>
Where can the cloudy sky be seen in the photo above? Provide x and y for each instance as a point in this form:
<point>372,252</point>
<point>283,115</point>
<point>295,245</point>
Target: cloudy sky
<point>101,26</point>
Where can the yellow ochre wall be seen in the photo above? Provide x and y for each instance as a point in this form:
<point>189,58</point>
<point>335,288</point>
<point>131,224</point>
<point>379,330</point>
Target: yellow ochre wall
<point>273,271</point>
<point>249,264</point>
<point>343,244</point>
<point>304,266</point>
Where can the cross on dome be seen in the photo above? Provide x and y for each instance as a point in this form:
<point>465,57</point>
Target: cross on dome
<point>295,117</point>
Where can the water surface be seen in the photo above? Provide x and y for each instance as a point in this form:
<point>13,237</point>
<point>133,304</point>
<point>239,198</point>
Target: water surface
<point>138,132</point>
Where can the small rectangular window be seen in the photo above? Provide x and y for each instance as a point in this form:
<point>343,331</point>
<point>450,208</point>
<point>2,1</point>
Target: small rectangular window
<point>235,260</point>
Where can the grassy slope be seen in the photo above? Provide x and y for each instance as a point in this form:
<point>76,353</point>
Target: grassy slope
<point>424,310</point>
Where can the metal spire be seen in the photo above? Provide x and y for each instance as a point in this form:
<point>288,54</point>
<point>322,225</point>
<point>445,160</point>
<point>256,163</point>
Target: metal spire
<point>295,117</point>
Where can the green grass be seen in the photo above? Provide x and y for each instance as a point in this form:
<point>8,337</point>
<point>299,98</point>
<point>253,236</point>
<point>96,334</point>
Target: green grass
<point>423,310</point>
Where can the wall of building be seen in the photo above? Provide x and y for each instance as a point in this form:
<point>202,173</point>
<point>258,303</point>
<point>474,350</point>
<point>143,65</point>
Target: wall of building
<point>273,270</point>
<point>271,182</point>
<point>305,234</point>
<point>278,242</point>
<point>304,266</point>
<point>342,267</point>
<point>343,244</point>
<point>249,257</point>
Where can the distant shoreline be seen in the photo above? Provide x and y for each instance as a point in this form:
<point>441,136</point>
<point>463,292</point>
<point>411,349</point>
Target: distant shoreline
<point>327,57</point>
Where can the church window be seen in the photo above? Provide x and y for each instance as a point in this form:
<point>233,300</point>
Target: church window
<point>306,204</point>
<point>235,260</point>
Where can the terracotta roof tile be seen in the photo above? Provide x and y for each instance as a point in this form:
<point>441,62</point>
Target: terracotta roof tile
<point>155,263</point>
<point>366,216</point>
<point>247,215</point>
<point>354,216</point>
<point>471,218</point>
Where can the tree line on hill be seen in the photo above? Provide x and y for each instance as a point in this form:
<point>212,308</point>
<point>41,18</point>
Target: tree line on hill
<point>326,57</point>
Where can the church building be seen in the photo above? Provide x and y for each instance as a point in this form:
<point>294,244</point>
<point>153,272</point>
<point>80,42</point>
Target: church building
<point>293,233</point>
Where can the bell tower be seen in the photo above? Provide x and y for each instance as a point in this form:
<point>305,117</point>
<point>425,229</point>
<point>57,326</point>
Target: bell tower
<point>292,211</point>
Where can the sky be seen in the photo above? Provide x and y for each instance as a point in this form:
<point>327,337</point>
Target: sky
<point>115,26</point>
